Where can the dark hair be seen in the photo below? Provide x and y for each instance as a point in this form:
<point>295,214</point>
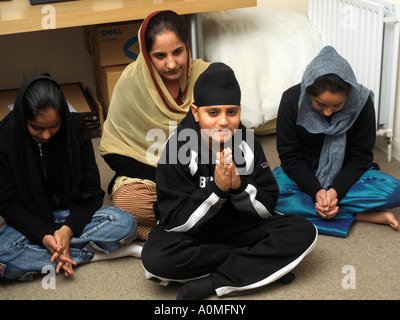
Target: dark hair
<point>40,96</point>
<point>163,22</point>
<point>328,82</point>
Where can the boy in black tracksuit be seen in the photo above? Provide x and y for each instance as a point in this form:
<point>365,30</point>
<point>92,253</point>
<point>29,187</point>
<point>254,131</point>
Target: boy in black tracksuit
<point>215,207</point>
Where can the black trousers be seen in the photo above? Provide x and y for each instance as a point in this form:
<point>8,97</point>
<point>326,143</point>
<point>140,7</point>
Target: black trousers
<point>243,255</point>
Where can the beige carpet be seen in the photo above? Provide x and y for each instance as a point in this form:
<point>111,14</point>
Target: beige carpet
<point>370,251</point>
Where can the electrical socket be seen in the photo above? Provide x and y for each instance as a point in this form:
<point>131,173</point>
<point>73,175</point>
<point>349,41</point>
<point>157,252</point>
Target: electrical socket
<point>29,73</point>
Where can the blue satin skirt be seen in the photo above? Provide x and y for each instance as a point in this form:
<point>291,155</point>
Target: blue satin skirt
<point>374,191</point>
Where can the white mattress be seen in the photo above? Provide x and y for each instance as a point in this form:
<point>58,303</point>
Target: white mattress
<point>267,48</point>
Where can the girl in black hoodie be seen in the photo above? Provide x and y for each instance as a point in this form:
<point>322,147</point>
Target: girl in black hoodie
<point>50,194</point>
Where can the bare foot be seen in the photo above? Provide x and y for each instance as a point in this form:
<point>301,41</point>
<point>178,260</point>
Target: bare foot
<point>382,217</point>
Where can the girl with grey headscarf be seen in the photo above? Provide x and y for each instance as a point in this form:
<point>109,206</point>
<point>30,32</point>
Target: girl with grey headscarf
<point>326,131</point>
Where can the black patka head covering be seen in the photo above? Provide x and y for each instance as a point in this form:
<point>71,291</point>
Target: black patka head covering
<point>217,86</point>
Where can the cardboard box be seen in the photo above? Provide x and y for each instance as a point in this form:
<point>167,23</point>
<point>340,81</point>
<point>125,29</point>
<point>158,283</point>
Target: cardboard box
<point>75,96</point>
<point>7,99</point>
<point>106,79</point>
<point>78,99</point>
<point>113,44</point>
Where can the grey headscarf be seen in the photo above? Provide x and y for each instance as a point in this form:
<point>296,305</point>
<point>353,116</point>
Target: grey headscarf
<point>328,61</point>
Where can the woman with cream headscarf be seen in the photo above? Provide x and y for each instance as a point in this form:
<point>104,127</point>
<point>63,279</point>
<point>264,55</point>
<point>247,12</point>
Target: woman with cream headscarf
<point>152,96</point>
<point>326,131</point>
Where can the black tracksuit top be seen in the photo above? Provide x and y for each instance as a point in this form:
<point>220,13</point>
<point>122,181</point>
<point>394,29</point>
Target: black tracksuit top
<point>188,200</point>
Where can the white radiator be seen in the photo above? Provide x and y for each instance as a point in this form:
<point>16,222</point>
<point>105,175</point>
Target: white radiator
<point>366,34</point>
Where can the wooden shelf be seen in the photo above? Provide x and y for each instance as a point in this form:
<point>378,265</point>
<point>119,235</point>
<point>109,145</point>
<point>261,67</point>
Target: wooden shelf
<point>19,16</point>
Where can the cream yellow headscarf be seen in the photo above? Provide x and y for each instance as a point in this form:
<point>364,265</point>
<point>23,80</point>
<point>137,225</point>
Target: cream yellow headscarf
<point>141,102</point>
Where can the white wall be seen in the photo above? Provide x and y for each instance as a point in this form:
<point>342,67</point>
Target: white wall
<point>396,133</point>
<point>62,50</point>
